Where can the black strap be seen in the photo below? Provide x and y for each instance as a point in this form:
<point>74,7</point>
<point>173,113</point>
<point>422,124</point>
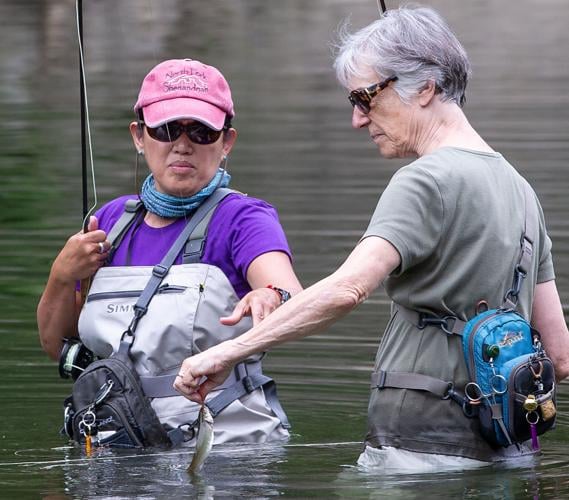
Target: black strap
<point>131,209</point>
<point>405,380</point>
<point>527,240</point>
<point>161,270</point>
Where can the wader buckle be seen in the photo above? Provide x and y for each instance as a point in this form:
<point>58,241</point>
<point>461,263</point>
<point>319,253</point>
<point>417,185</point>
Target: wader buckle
<point>248,384</point>
<point>468,410</point>
<point>443,323</point>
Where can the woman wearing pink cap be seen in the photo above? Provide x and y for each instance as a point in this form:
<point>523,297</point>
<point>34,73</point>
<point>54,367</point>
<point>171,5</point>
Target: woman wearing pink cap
<point>236,271</point>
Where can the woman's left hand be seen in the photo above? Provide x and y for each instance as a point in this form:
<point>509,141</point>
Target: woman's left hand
<point>258,303</point>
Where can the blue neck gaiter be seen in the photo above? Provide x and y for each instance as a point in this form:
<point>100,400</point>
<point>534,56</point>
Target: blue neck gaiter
<point>169,206</point>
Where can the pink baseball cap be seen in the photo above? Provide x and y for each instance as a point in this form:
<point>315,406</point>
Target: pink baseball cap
<point>185,88</point>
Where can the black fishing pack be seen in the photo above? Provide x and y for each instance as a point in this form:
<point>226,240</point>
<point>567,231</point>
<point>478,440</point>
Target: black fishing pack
<point>108,406</point>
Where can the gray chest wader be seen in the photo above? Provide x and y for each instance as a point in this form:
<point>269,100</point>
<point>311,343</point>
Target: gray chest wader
<point>453,326</point>
<point>176,315</point>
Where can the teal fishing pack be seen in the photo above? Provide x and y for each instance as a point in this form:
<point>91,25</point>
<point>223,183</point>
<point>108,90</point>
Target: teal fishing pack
<point>512,381</point>
<point>511,388</point>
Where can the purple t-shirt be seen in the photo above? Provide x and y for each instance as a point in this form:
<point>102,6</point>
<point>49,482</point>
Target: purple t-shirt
<point>241,229</point>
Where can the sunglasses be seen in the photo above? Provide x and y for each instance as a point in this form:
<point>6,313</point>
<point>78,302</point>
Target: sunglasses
<point>362,97</point>
<point>197,132</point>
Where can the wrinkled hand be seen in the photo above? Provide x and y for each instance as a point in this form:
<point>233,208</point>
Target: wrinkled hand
<point>258,303</point>
<point>201,373</point>
<point>83,254</point>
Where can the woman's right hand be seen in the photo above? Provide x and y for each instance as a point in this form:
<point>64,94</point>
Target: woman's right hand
<point>60,303</point>
<point>82,255</point>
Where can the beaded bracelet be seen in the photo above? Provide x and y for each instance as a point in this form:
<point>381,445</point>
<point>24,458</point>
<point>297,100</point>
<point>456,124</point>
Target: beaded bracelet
<point>283,293</point>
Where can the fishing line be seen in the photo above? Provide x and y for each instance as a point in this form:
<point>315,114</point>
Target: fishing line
<point>227,450</point>
<point>87,127</point>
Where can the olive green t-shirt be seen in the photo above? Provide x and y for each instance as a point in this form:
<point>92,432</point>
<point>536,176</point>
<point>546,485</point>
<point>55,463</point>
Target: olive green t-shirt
<point>456,218</point>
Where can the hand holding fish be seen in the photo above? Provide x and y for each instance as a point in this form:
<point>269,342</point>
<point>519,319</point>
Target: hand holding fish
<point>210,364</point>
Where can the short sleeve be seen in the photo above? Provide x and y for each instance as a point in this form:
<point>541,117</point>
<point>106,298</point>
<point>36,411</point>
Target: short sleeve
<point>409,215</point>
<point>545,270</point>
<point>242,229</point>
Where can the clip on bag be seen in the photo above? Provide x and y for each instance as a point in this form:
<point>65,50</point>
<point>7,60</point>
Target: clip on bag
<point>512,387</point>
<point>512,381</point>
<point>112,407</point>
<point>108,405</point>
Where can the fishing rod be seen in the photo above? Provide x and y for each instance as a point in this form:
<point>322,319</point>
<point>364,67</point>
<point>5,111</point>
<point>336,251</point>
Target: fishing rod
<point>383,8</point>
<point>86,142</point>
<point>85,137</point>
<point>83,124</point>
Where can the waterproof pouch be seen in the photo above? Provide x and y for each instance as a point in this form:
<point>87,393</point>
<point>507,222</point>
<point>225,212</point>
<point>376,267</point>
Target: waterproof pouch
<point>512,381</point>
<point>108,406</point>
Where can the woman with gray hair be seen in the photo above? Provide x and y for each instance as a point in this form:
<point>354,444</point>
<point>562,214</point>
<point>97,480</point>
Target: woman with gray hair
<point>445,236</point>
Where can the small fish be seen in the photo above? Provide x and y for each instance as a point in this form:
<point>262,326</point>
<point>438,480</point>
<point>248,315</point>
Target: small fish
<point>204,441</point>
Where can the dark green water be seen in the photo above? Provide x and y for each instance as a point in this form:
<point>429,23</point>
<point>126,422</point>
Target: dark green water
<point>296,149</point>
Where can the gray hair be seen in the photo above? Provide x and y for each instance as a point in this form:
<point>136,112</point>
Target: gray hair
<point>413,43</point>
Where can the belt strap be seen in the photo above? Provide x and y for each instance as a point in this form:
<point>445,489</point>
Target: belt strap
<point>245,378</point>
<point>162,386</point>
<point>449,324</point>
<point>404,380</point>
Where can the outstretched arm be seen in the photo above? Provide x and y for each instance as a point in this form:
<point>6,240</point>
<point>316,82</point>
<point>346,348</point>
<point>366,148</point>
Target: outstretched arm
<point>59,305</point>
<point>308,313</point>
<point>547,318</point>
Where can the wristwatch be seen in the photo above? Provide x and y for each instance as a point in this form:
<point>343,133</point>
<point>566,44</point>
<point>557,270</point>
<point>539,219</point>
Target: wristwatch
<point>283,293</point>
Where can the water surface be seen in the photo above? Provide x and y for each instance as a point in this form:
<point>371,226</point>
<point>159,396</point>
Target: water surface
<point>296,149</point>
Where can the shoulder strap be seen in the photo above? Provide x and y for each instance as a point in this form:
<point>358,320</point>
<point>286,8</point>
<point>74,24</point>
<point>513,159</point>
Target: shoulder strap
<point>131,209</point>
<point>195,245</point>
<point>527,240</point>
<point>161,270</point>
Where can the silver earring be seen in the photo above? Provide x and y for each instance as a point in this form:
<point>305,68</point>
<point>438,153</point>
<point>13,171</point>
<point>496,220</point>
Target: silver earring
<point>141,152</point>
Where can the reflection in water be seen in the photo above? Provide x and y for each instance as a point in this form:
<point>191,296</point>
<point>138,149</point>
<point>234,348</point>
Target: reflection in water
<point>295,149</point>
<point>491,482</point>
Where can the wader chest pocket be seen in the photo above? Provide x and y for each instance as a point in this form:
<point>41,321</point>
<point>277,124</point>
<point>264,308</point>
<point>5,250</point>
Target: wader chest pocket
<point>127,294</point>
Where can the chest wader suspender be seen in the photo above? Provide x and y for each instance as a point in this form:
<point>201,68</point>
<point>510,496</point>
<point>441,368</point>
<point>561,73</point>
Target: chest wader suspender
<point>451,325</point>
<point>246,376</point>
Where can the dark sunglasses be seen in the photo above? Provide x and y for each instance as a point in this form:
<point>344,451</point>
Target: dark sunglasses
<point>362,97</point>
<point>197,132</point>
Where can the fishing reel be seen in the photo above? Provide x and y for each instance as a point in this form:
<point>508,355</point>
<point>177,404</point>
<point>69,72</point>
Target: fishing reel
<point>74,358</point>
